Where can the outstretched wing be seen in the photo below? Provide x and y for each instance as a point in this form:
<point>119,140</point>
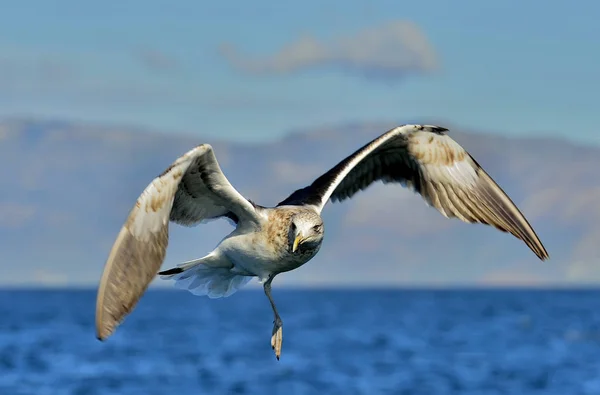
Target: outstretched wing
<point>425,159</point>
<point>190,191</point>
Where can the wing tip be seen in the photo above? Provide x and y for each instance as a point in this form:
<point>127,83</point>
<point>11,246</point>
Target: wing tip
<point>520,226</point>
<point>543,254</point>
<point>102,336</point>
<point>104,329</point>
<point>126,277</point>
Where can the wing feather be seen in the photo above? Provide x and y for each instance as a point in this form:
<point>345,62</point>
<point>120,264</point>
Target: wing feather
<point>425,159</point>
<point>190,191</point>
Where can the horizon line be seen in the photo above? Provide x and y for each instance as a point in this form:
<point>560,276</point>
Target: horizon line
<point>354,288</point>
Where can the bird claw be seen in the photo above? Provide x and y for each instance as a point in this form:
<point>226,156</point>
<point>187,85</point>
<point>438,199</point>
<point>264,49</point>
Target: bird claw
<point>277,339</point>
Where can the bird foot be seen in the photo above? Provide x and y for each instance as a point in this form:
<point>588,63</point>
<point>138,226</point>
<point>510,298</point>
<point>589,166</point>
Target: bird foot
<point>277,339</point>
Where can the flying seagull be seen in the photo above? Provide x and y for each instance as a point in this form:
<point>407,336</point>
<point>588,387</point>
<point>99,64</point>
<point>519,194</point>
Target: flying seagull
<point>267,241</point>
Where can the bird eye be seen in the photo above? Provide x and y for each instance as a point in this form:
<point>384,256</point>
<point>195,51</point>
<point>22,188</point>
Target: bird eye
<point>317,228</point>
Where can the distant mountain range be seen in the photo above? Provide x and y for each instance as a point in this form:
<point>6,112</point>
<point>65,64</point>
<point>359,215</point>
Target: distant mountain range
<point>68,187</point>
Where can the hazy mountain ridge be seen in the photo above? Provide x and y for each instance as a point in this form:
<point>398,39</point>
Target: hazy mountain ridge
<point>68,188</point>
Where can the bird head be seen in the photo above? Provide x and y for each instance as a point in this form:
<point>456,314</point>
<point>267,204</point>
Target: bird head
<point>306,229</point>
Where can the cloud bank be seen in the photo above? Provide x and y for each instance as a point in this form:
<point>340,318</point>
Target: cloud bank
<point>391,51</point>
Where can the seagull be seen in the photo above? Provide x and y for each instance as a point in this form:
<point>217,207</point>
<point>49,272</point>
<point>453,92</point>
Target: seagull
<point>267,241</point>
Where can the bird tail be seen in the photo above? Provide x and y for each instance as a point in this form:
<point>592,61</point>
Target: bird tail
<point>207,276</point>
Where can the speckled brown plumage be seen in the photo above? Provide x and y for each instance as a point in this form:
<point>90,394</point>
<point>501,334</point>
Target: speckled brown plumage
<point>123,284</point>
<point>278,226</point>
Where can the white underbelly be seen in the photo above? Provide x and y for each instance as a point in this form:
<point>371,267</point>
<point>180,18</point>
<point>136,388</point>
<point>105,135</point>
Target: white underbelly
<point>251,253</point>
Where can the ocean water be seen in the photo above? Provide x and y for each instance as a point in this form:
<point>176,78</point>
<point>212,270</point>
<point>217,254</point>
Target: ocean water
<point>334,342</point>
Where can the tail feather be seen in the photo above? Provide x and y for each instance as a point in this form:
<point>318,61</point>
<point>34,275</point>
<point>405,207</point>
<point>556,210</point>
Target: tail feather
<point>168,273</point>
<point>182,267</point>
<point>203,279</point>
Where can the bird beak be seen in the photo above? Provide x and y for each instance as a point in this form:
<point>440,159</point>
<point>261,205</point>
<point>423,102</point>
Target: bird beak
<point>297,241</point>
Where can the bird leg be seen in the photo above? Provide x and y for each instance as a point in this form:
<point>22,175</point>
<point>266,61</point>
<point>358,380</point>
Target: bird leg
<point>277,336</point>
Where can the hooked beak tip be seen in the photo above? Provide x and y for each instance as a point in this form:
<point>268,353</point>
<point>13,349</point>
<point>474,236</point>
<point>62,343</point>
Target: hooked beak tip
<point>297,242</point>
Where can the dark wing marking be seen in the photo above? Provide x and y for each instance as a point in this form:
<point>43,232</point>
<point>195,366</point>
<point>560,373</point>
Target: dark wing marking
<point>425,159</point>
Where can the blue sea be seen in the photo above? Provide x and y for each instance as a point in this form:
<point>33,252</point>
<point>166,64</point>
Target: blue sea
<point>517,342</point>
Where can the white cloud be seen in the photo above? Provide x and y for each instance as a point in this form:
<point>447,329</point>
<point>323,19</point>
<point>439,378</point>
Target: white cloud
<point>390,51</point>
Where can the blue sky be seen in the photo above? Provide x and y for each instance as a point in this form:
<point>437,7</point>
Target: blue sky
<point>515,67</point>
<point>255,70</point>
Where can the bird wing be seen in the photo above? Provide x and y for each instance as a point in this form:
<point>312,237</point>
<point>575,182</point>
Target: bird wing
<point>190,191</point>
<point>425,159</point>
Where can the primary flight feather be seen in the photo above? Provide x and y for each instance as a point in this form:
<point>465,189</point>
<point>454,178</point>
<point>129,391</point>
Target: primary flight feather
<point>267,241</point>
